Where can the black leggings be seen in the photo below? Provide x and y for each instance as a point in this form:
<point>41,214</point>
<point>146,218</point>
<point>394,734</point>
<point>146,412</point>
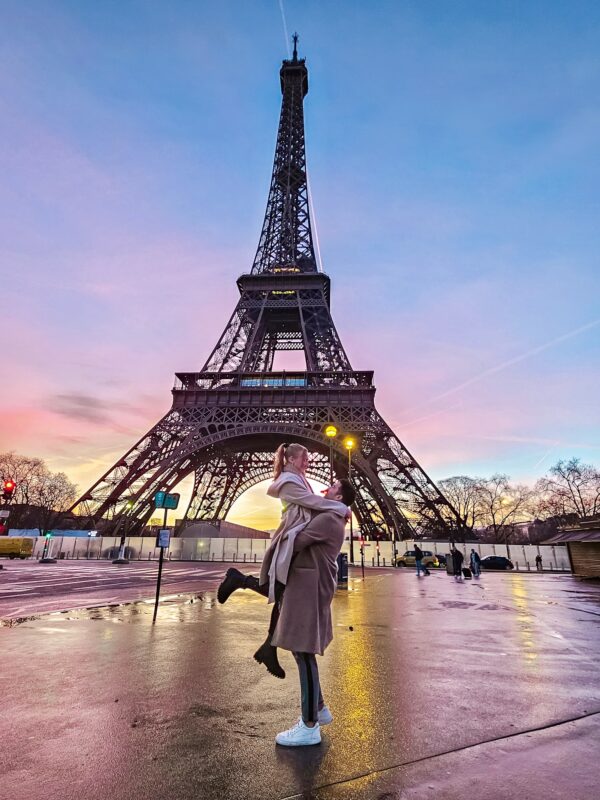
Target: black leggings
<point>252,583</point>
<point>310,687</point>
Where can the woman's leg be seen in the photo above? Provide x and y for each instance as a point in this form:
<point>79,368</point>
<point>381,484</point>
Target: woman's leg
<point>266,653</point>
<point>234,580</point>
<point>310,690</point>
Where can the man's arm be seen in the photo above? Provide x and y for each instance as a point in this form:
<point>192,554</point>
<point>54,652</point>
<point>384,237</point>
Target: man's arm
<point>320,530</point>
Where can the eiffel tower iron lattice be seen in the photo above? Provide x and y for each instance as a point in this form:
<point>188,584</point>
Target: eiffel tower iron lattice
<point>226,420</point>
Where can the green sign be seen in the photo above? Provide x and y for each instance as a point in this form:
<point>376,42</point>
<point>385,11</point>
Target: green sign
<point>164,500</point>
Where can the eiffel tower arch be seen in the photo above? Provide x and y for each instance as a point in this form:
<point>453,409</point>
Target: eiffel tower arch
<point>227,419</point>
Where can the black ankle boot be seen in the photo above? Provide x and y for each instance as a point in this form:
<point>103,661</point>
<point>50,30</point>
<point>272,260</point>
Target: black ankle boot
<point>267,655</point>
<point>234,579</point>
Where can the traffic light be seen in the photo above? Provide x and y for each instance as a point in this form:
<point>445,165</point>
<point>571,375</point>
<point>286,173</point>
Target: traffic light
<point>8,489</point>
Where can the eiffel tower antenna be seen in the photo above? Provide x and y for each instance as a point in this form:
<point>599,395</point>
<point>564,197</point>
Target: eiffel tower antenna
<point>227,419</point>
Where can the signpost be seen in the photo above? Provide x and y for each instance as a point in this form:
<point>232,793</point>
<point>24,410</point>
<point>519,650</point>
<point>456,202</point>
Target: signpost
<point>362,556</point>
<point>166,501</point>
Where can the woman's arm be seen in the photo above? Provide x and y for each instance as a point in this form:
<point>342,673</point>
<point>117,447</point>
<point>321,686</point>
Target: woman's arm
<point>292,492</point>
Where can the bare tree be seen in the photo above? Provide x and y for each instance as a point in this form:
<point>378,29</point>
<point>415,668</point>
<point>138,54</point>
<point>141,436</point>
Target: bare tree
<point>41,496</point>
<point>570,488</point>
<point>463,493</point>
<point>501,504</point>
<point>23,471</point>
<point>52,495</point>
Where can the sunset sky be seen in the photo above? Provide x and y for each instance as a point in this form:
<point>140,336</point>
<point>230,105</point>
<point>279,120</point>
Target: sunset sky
<point>453,158</point>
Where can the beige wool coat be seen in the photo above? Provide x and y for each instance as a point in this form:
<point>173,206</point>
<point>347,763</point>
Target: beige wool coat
<point>299,504</point>
<point>304,624</point>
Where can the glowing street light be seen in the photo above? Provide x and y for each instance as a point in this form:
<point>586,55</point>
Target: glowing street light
<point>331,432</point>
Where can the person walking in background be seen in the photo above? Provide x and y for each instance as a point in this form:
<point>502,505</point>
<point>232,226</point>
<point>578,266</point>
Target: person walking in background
<point>457,562</point>
<point>538,562</point>
<point>475,562</point>
<point>419,562</point>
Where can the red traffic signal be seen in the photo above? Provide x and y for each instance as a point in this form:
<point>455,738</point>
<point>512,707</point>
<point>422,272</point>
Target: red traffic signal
<point>8,489</point>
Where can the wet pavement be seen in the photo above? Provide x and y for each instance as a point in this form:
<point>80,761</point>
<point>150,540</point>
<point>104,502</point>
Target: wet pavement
<point>438,689</point>
<point>28,587</point>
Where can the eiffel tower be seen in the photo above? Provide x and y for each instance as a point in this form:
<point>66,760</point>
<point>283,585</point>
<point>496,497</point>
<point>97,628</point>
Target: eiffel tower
<point>226,420</point>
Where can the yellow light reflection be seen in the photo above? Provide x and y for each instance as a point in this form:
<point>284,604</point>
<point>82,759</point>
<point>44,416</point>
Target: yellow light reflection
<point>352,661</point>
<point>525,621</point>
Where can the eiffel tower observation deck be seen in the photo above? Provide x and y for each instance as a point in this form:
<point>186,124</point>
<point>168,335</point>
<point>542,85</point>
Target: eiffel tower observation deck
<point>227,419</point>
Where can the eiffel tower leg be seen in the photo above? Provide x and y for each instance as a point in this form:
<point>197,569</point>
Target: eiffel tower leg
<point>155,462</point>
<point>405,486</point>
<point>210,481</point>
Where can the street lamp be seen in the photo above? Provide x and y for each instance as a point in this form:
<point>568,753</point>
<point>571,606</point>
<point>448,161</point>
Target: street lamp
<point>349,444</point>
<point>331,432</point>
<point>121,557</point>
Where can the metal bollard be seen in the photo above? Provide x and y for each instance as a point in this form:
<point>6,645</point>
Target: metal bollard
<point>255,558</point>
<point>244,558</point>
<point>384,561</point>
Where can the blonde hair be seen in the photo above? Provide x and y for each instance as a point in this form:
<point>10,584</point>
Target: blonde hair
<point>283,454</point>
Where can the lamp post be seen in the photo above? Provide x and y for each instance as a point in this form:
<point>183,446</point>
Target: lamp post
<point>121,557</point>
<point>331,432</point>
<point>349,444</point>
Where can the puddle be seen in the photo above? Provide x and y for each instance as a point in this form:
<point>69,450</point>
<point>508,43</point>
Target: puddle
<point>171,607</point>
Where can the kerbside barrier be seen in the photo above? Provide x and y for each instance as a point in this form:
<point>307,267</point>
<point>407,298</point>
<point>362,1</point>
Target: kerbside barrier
<point>251,551</point>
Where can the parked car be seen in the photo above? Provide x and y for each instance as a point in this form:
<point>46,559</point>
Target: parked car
<point>496,562</point>
<point>408,559</point>
<point>16,547</point>
<point>441,558</point>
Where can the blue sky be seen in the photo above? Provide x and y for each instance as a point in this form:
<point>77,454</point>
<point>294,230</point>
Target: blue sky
<point>452,150</point>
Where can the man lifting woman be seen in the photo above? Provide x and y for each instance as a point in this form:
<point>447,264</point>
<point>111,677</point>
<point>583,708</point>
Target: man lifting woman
<point>299,575</point>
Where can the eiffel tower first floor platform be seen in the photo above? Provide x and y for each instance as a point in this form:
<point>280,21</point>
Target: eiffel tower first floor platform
<point>223,429</point>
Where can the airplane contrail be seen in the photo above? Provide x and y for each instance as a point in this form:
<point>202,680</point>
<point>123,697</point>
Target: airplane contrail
<point>285,30</point>
<point>517,359</point>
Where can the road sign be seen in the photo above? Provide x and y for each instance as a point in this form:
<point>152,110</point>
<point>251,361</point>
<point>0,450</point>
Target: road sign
<point>163,538</point>
<point>165,500</point>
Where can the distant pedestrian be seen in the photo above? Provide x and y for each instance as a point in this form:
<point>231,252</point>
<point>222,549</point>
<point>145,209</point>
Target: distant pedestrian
<point>419,562</point>
<point>457,562</point>
<point>475,562</point>
<point>538,563</point>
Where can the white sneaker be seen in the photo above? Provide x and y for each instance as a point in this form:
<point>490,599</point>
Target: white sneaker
<point>325,716</point>
<point>299,735</point>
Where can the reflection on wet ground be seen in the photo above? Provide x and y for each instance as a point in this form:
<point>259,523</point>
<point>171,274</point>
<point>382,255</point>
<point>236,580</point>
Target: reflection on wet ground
<point>179,710</point>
